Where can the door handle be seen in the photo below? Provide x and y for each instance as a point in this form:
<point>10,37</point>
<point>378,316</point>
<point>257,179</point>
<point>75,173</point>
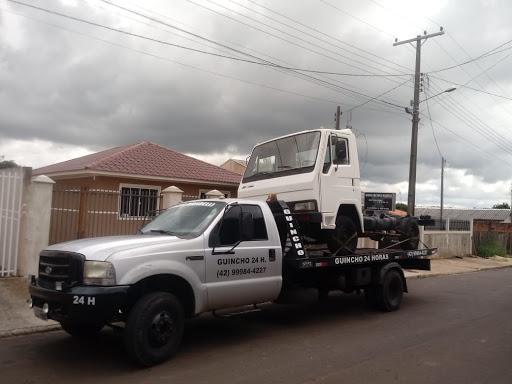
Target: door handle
<point>194,258</point>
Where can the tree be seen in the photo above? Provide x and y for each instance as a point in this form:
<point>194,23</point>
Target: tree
<point>401,207</point>
<point>501,206</point>
<point>8,164</point>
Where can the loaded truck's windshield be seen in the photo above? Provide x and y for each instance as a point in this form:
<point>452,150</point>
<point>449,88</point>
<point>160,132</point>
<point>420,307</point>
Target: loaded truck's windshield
<point>187,219</point>
<point>286,156</point>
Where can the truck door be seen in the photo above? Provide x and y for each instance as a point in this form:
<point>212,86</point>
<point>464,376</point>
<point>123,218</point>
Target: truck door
<point>337,174</point>
<point>248,273</point>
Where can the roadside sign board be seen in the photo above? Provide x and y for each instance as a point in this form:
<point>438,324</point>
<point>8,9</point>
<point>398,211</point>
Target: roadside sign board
<point>374,201</point>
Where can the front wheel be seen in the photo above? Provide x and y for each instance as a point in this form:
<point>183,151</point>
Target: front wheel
<point>343,239</point>
<point>154,328</point>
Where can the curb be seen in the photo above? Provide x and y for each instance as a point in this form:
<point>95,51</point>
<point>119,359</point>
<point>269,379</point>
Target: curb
<point>424,276</point>
<point>30,331</point>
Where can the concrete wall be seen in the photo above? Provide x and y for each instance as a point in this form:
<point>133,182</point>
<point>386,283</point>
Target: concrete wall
<point>448,243</point>
<point>35,223</point>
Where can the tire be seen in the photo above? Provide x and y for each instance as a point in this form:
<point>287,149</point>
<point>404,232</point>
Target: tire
<point>409,233</point>
<point>343,239</point>
<point>81,330</point>
<point>154,328</point>
<point>391,292</point>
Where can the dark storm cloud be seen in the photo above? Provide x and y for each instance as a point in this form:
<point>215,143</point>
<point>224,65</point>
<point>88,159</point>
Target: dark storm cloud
<point>71,89</point>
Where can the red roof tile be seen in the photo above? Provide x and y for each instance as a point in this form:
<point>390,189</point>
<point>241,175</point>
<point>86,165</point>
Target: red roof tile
<point>146,159</point>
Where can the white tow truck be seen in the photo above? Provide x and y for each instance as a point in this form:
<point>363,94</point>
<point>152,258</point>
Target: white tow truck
<point>200,256</point>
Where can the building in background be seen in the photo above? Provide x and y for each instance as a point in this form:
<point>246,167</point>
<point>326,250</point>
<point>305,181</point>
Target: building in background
<point>234,165</point>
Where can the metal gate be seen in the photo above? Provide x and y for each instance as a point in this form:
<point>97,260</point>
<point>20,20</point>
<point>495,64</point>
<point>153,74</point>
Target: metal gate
<point>11,190</point>
<point>79,213</point>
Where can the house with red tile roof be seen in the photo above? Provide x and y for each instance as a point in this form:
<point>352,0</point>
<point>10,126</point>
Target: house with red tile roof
<point>113,191</point>
<point>145,164</point>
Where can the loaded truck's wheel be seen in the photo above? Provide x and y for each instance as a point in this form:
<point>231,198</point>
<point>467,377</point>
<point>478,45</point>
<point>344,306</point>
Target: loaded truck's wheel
<point>154,328</point>
<point>343,239</point>
<point>81,330</point>
<point>409,233</point>
<point>391,292</point>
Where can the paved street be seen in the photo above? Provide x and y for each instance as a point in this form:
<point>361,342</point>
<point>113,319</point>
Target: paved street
<point>450,329</point>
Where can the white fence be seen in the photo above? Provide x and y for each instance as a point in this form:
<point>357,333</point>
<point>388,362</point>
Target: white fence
<point>11,191</point>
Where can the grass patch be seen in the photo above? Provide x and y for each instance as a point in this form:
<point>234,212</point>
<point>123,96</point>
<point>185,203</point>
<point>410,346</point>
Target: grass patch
<point>490,248</point>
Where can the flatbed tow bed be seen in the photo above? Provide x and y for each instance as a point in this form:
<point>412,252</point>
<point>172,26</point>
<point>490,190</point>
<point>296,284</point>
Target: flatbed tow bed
<point>299,256</point>
<point>406,259</point>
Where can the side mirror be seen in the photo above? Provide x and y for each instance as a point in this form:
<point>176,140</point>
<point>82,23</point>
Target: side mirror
<point>246,227</point>
<point>214,240</point>
<point>341,149</point>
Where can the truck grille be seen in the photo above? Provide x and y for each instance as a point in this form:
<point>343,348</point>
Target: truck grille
<point>65,267</point>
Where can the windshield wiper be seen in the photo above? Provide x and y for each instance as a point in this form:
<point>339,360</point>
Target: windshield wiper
<point>163,232</point>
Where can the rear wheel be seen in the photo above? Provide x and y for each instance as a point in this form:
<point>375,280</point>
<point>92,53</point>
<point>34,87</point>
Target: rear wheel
<point>391,292</point>
<point>343,239</point>
<point>154,328</point>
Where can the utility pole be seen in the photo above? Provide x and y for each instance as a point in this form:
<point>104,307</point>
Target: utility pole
<point>337,117</point>
<point>443,163</point>
<point>415,118</point>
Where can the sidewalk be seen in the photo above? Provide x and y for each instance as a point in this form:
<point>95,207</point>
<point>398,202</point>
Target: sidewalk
<point>16,318</point>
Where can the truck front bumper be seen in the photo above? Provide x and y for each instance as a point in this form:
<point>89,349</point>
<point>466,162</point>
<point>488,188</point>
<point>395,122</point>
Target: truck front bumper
<point>85,304</point>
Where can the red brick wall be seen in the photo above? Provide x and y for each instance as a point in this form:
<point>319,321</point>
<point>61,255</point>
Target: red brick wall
<point>492,226</point>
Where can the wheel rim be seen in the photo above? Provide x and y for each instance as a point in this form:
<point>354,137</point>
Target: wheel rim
<point>162,329</point>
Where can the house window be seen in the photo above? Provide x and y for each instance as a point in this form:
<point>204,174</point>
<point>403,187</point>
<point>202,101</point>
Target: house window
<point>138,201</point>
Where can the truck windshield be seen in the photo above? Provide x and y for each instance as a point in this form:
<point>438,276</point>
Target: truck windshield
<point>286,156</point>
<point>188,219</point>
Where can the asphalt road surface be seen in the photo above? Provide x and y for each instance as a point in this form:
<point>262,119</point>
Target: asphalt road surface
<point>450,329</point>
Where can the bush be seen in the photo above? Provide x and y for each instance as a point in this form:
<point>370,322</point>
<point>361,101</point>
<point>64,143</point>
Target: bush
<point>490,248</point>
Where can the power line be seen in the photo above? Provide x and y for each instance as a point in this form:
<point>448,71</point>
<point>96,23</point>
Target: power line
<point>317,31</point>
<point>482,56</point>
<point>382,94</point>
<point>490,133</point>
<point>151,39</point>
<point>194,67</point>
<point>461,116</point>
<point>161,22</point>
<point>463,50</point>
<point>470,143</point>
<point>278,37</point>
<point>473,89</point>
<point>358,19</point>
<point>193,49</point>
<point>295,74</point>
<point>432,125</point>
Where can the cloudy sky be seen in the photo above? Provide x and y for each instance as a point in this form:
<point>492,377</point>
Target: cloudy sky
<point>80,76</point>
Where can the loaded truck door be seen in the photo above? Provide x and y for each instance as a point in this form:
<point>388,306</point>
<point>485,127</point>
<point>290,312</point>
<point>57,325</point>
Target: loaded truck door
<point>337,174</point>
<point>239,271</point>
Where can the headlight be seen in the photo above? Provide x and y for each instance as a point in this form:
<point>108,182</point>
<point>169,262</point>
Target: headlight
<point>99,273</point>
<point>305,206</point>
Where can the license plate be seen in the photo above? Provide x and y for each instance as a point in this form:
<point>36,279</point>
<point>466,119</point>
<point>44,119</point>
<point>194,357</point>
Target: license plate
<point>40,314</point>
